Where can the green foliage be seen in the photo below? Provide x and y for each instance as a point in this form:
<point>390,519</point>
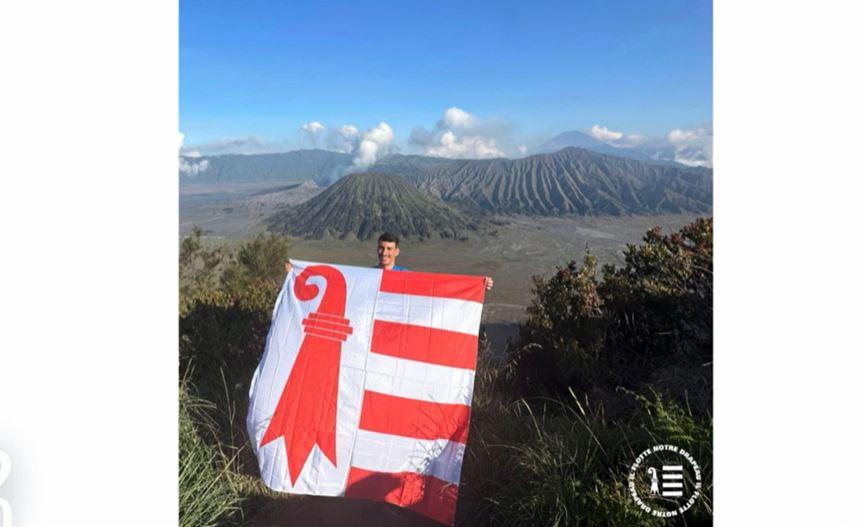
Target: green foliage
<point>206,496</point>
<point>223,327</point>
<point>198,264</point>
<point>647,322</point>
<point>550,461</point>
<point>259,262</point>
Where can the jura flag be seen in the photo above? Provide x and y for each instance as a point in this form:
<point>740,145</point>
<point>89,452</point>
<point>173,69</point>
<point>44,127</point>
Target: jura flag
<point>365,386</point>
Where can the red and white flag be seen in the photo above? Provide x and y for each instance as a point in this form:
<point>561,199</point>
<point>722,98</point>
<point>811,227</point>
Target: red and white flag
<point>365,386</point>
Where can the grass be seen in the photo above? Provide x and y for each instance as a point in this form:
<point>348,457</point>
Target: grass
<point>564,461</point>
<point>207,497</point>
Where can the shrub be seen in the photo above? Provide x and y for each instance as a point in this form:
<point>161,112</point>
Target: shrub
<point>644,322</point>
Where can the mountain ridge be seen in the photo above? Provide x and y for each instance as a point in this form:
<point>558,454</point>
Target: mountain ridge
<point>570,181</point>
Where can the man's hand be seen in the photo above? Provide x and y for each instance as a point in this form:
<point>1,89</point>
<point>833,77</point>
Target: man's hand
<point>288,267</point>
<point>489,283</point>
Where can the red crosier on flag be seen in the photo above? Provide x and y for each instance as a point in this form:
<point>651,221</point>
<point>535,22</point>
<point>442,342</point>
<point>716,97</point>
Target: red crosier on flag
<point>365,385</point>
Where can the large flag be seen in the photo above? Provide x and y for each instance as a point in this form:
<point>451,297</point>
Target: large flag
<point>365,385</point>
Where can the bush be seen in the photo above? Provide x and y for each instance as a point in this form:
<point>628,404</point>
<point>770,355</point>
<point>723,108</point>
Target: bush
<point>258,262</point>
<point>222,330</point>
<point>643,323</point>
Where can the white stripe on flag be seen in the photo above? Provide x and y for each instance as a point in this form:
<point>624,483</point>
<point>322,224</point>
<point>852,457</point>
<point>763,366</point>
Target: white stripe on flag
<point>672,493</point>
<point>440,313</point>
<point>418,380</point>
<point>390,453</point>
<point>671,485</point>
<point>672,467</point>
<point>672,476</point>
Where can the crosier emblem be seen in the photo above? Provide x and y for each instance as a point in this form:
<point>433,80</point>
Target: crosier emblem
<point>306,412</point>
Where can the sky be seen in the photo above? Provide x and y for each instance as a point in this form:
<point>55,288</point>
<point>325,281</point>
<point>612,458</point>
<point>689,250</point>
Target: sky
<point>458,79</point>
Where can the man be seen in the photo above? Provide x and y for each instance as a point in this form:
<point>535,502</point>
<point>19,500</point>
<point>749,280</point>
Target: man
<point>388,251</point>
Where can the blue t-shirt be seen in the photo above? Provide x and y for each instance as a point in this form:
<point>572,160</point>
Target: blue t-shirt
<point>395,268</point>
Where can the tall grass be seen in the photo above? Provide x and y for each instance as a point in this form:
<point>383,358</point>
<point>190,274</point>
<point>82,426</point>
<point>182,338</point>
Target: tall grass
<point>207,498</point>
<point>563,461</point>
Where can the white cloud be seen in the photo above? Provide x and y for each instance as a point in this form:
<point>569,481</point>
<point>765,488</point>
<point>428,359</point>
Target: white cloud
<point>343,139</point>
<point>522,149</point>
<point>470,146</point>
<point>312,127</point>
<point>348,130</point>
<point>692,147</point>
<point>312,131</point>
<point>613,137</point>
<point>191,168</point>
<point>604,134</point>
<point>458,118</point>
<point>459,134</point>
<point>374,143</point>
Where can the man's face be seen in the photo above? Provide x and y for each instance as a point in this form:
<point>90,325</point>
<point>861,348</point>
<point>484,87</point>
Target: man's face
<point>387,253</point>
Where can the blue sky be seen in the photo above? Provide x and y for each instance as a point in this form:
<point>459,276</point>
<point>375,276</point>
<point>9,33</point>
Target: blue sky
<point>524,71</point>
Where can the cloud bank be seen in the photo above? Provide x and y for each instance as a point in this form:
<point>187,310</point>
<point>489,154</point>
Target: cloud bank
<point>190,168</point>
<point>459,134</point>
<point>236,145</point>
<point>614,138</point>
<point>692,147</point>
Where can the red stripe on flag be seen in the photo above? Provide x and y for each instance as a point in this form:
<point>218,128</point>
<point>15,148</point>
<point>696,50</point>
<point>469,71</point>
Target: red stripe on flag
<point>425,344</point>
<point>426,495</point>
<point>432,284</point>
<point>390,414</point>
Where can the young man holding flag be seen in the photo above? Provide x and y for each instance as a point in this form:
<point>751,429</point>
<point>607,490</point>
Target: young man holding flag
<point>388,251</point>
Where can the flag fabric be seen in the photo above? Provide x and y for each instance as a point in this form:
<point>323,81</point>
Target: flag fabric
<point>365,385</point>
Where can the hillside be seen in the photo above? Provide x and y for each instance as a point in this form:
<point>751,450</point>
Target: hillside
<point>299,165</point>
<point>364,205</point>
<point>570,181</point>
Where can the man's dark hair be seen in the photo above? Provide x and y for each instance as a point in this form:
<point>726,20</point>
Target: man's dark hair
<point>389,237</point>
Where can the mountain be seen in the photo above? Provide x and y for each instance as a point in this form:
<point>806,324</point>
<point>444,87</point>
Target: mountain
<point>582,140</point>
<point>299,165</point>
<point>292,194</point>
<point>365,205</point>
<point>570,181</point>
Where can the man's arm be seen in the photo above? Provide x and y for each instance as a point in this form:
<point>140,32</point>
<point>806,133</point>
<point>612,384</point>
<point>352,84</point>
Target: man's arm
<point>288,266</point>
